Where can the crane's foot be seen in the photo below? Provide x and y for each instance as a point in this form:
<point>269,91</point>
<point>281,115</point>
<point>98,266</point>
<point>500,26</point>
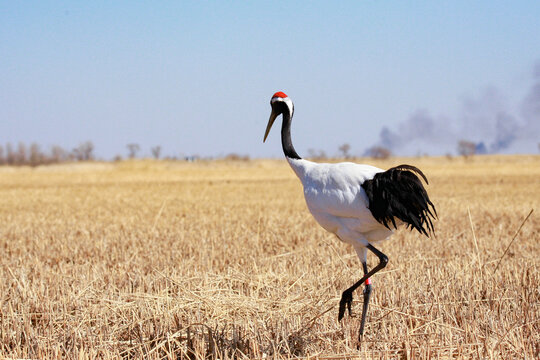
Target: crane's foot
<point>345,302</point>
<point>359,343</point>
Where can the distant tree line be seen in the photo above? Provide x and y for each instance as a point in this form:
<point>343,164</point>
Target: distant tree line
<point>34,155</point>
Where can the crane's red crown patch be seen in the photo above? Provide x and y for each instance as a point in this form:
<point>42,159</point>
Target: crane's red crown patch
<point>280,94</point>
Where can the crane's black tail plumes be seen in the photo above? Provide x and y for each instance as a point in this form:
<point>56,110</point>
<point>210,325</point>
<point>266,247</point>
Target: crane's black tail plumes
<point>399,193</point>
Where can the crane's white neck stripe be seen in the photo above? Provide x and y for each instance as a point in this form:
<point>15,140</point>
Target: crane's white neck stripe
<point>287,101</point>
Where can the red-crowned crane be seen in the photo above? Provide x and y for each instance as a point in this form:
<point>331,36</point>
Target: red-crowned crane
<point>360,204</point>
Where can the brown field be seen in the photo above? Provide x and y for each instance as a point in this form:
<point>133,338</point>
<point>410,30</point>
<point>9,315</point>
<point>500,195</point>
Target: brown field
<point>163,260</point>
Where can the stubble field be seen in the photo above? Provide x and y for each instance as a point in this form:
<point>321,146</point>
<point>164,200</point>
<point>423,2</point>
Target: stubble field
<point>163,260</point>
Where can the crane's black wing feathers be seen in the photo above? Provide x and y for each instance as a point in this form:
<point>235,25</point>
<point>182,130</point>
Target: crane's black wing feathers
<point>398,193</point>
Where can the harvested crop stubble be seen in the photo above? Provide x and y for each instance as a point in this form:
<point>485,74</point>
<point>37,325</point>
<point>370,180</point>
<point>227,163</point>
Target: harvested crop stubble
<point>156,259</point>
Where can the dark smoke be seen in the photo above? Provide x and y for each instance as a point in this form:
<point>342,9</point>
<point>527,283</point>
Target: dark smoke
<point>485,119</point>
<point>506,132</point>
<point>410,136</point>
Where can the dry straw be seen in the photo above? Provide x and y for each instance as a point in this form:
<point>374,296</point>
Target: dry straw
<point>167,260</point>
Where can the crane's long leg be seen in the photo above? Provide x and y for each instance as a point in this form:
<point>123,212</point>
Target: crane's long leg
<point>346,298</point>
<point>367,293</point>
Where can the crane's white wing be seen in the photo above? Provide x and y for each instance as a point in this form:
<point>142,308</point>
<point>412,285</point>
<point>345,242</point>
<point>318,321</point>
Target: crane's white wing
<point>335,197</point>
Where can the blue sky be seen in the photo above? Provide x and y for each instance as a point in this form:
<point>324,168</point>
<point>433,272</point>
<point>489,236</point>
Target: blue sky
<point>196,77</point>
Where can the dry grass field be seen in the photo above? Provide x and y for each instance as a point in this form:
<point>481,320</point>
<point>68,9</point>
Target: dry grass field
<point>164,260</point>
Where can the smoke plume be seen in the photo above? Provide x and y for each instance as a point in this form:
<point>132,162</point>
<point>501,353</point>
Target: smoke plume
<point>485,119</point>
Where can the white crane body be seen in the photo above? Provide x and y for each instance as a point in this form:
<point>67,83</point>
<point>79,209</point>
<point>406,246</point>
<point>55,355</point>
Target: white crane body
<point>335,197</point>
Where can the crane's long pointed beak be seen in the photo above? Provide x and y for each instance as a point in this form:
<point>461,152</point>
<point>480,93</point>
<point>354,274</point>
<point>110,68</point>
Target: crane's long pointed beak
<point>273,117</point>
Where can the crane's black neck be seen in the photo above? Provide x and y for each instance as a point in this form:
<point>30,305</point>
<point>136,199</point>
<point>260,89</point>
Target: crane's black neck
<point>286,142</point>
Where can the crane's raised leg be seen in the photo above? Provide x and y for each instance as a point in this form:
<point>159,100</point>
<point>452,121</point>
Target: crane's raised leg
<point>346,298</point>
